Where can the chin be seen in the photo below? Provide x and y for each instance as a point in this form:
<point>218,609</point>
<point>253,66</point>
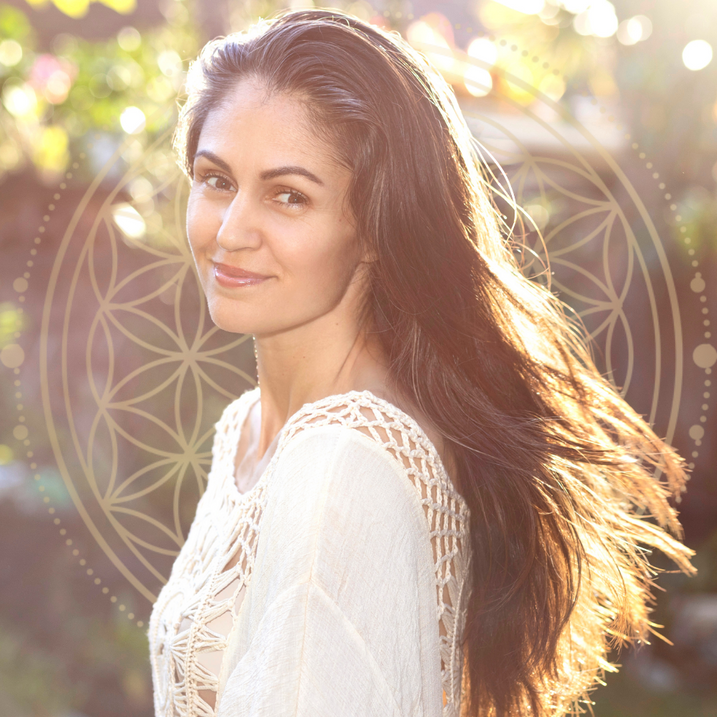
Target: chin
<point>225,316</point>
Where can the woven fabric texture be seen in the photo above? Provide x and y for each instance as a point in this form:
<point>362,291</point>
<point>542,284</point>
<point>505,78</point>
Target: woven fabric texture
<point>361,574</point>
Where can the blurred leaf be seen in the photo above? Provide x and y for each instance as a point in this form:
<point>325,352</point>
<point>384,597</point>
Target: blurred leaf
<point>14,24</point>
<point>11,320</point>
<point>51,152</point>
<point>122,6</point>
<point>73,8</point>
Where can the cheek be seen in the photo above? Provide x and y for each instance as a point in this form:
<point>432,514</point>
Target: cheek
<point>192,221</point>
<point>326,269</point>
<point>200,226</point>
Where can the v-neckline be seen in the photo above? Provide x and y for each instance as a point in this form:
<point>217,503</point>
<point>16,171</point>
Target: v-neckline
<point>248,423</point>
<point>325,402</point>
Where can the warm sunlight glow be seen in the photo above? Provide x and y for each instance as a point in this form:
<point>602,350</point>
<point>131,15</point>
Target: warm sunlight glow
<point>527,7</point>
<point>429,40</point>
<point>634,30</point>
<point>552,86</point>
<point>132,120</point>
<point>598,19</point>
<point>10,53</point>
<point>575,6</point>
<point>129,220</point>
<point>484,50</point>
<point>697,54</point>
<point>518,92</point>
<point>477,80</point>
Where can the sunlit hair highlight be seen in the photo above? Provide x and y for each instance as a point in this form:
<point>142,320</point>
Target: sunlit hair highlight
<point>567,485</point>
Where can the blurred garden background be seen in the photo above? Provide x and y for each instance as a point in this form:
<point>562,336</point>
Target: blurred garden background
<point>604,118</point>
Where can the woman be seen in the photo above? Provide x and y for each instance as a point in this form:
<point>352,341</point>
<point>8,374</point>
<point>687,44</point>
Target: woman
<point>434,503</point>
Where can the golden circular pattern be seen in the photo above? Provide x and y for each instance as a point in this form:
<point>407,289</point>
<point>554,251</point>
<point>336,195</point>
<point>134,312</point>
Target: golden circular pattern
<point>152,374</point>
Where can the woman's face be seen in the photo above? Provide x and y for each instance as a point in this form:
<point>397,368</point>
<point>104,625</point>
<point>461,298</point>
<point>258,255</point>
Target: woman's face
<point>267,198</point>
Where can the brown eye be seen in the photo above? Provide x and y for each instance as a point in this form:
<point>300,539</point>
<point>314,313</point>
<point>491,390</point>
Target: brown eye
<point>295,199</point>
<point>221,184</point>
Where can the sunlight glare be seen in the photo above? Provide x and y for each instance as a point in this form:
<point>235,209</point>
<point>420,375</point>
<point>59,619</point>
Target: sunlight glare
<point>697,55</point>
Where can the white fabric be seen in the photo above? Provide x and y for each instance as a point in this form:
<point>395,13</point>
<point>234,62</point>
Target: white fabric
<point>321,590</point>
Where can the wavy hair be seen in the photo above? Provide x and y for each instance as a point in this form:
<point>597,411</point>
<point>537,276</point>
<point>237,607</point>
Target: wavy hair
<point>568,487</point>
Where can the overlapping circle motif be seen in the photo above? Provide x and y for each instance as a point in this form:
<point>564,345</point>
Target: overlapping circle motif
<point>134,373</point>
<point>602,249</point>
<point>144,372</point>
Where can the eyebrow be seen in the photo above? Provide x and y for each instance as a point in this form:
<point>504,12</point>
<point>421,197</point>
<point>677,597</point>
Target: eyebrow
<point>267,174</point>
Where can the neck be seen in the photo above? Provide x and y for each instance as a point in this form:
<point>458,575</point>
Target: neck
<point>293,371</point>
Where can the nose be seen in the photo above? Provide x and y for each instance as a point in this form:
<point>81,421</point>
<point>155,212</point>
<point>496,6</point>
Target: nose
<point>239,227</point>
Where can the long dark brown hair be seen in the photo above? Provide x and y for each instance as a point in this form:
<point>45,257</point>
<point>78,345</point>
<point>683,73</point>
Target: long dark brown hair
<point>566,484</point>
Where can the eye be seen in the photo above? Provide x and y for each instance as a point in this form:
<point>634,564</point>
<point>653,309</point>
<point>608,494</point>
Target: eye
<point>294,199</point>
<point>222,184</point>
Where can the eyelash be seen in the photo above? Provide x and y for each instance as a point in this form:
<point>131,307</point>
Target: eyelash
<point>292,192</point>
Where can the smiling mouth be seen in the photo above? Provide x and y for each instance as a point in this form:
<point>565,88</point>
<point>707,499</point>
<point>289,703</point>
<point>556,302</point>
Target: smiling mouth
<point>236,272</point>
<point>230,277</point>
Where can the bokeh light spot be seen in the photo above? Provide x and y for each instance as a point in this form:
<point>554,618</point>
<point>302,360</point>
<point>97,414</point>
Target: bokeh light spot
<point>10,53</point>
<point>527,7</point>
<point>129,39</point>
<point>132,120</point>
<point>697,55</point>
<point>129,220</point>
<point>635,29</point>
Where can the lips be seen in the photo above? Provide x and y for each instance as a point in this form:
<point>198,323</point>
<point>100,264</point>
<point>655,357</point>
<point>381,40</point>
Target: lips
<point>237,273</point>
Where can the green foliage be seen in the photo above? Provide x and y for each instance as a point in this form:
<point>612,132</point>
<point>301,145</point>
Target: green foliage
<point>14,24</point>
<point>53,100</point>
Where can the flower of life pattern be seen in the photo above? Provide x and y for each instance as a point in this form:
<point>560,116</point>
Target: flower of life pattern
<point>135,374</point>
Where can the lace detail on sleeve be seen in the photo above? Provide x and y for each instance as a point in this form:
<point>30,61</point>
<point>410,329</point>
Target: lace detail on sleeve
<point>447,513</point>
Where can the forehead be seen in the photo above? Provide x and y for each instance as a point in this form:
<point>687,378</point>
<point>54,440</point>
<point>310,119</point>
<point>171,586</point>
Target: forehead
<point>254,119</point>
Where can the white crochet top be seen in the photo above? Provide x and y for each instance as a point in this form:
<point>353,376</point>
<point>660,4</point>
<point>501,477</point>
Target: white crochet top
<point>336,585</point>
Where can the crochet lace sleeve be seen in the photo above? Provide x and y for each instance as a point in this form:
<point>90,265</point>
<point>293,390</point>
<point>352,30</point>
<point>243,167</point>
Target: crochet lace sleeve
<point>342,606</point>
